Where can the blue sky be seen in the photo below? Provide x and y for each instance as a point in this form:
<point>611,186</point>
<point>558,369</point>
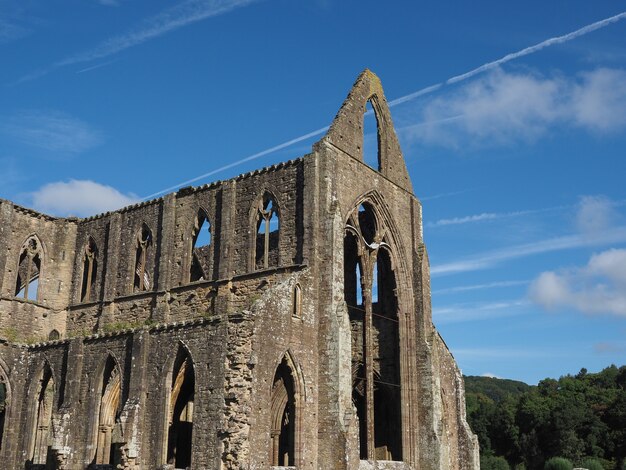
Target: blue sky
<point>515,142</point>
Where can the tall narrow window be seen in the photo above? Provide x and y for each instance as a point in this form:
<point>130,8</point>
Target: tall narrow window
<point>28,270</point>
<point>108,415</point>
<point>283,416</point>
<point>371,137</point>
<point>144,242</point>
<point>180,412</point>
<point>370,294</point>
<point>297,301</point>
<point>201,248</point>
<point>4,402</point>
<point>267,233</point>
<point>90,266</point>
<point>43,419</point>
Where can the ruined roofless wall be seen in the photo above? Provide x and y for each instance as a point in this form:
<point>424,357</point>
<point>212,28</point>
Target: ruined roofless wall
<point>140,344</point>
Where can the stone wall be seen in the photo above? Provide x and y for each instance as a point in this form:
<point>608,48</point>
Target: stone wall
<point>236,327</point>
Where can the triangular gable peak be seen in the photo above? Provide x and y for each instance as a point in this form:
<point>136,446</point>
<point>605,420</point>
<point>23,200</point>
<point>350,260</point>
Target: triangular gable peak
<point>346,131</point>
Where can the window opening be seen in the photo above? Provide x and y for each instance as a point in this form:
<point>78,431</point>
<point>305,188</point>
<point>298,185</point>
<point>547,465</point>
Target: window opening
<point>144,241</point>
<point>107,452</point>
<point>200,248</point>
<point>370,293</point>
<point>283,416</point>
<point>371,137</point>
<point>54,335</point>
<point>43,422</point>
<point>297,301</point>
<point>90,266</point>
<point>180,412</point>
<point>27,285</point>
<point>267,229</point>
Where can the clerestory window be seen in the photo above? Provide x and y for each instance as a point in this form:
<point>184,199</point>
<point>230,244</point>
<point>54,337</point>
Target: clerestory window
<point>267,233</point>
<point>29,268</point>
<point>201,249</point>
<point>90,266</point>
<point>144,243</point>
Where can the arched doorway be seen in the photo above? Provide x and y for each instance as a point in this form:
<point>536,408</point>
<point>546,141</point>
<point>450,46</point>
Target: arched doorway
<point>180,411</point>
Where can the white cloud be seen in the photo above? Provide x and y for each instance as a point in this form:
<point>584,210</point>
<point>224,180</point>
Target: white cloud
<point>10,32</point>
<point>490,259</point>
<point>52,130</point>
<point>491,285</point>
<point>478,311</point>
<point>595,215</point>
<point>79,198</point>
<point>599,102</point>
<point>598,287</point>
<point>506,107</point>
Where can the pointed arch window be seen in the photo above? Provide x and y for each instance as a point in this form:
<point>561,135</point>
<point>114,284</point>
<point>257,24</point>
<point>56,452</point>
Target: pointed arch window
<point>297,301</point>
<point>29,269</point>
<point>43,419</point>
<point>267,233</point>
<point>284,415</point>
<point>180,412</point>
<point>144,243</point>
<point>370,294</point>
<point>90,268</point>
<point>201,248</point>
<point>371,137</point>
<point>107,452</point>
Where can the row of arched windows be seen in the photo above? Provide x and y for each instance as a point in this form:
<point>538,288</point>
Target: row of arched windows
<point>178,401</point>
<point>265,230</point>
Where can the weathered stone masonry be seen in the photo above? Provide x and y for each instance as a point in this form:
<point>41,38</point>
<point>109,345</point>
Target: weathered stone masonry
<point>278,319</point>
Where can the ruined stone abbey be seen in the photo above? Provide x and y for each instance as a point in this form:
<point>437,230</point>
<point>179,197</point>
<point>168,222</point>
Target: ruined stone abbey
<point>277,320</point>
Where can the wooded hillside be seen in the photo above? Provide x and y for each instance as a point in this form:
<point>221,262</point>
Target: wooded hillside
<point>581,418</point>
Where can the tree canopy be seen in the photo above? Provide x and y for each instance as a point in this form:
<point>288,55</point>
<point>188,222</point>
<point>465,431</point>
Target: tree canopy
<point>580,418</point>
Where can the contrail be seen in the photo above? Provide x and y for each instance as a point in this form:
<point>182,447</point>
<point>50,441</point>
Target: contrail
<point>411,96</point>
<point>239,162</point>
<point>168,20</point>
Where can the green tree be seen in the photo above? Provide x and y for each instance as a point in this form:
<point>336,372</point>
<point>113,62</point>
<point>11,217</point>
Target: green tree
<point>558,463</point>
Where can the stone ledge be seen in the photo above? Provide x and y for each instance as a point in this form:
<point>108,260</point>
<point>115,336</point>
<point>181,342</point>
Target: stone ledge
<point>383,465</point>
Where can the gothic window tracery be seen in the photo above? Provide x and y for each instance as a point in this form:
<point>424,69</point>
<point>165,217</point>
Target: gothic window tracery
<point>29,268</point>
<point>144,243</point>
<point>267,233</point>
<point>370,295</point>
